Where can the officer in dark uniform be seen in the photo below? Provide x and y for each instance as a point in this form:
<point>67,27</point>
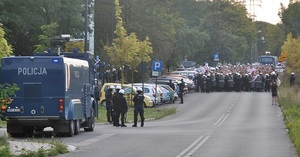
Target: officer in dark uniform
<point>292,79</point>
<point>115,96</point>
<point>120,109</point>
<point>181,85</point>
<point>238,82</point>
<point>171,84</point>
<point>138,101</point>
<point>267,83</point>
<point>109,104</point>
<point>208,84</point>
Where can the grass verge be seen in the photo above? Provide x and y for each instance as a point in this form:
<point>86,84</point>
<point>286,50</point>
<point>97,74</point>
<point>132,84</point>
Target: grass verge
<point>289,100</point>
<point>149,113</point>
<point>56,148</point>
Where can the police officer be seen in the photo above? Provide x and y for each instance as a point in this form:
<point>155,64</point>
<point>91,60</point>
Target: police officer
<point>181,85</point>
<point>138,101</point>
<point>120,109</point>
<point>115,96</point>
<point>171,84</point>
<point>292,79</point>
<point>109,104</point>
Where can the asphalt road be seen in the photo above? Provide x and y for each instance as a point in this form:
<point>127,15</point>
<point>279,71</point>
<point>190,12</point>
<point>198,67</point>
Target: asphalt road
<point>206,125</point>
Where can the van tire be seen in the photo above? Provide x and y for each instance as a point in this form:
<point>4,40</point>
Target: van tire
<point>71,125</point>
<point>77,127</point>
<point>91,122</point>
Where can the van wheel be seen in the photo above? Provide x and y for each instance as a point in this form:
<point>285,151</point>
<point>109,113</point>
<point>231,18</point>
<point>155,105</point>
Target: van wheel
<point>71,128</point>
<point>91,122</point>
<point>77,127</point>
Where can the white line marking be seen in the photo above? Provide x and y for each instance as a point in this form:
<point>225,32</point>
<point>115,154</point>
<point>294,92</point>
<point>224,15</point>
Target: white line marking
<point>219,120</point>
<point>94,140</point>
<point>223,120</point>
<point>188,148</point>
<point>197,147</point>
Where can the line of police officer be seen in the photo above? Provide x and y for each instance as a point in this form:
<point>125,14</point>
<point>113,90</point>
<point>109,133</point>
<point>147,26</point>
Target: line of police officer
<point>209,82</point>
<point>116,106</point>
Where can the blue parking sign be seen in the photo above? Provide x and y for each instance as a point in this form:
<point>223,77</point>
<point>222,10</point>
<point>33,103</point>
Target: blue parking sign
<point>157,65</point>
<point>216,56</point>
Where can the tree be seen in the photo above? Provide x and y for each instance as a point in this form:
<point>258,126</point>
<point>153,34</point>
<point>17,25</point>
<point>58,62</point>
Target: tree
<point>22,20</point>
<point>290,18</point>
<point>6,91</point>
<point>269,37</point>
<point>230,30</point>
<point>126,49</point>
<point>161,22</point>
<point>48,32</point>
<point>291,47</point>
<point>5,48</point>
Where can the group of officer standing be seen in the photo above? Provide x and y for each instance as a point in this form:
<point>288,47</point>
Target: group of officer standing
<point>245,80</point>
<point>116,106</point>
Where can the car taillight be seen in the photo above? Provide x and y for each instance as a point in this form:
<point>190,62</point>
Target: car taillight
<point>61,105</point>
<point>3,109</point>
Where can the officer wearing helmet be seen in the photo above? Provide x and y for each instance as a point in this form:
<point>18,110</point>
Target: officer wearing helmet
<point>109,104</point>
<point>120,109</point>
<point>292,79</point>
<point>181,85</point>
<point>138,101</point>
<point>114,99</point>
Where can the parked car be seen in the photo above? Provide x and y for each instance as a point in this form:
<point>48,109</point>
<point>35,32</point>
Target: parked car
<point>129,94</point>
<point>172,93</point>
<point>149,90</point>
<point>165,96</point>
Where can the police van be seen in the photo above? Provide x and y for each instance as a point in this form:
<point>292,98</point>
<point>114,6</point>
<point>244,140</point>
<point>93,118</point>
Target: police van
<point>55,91</point>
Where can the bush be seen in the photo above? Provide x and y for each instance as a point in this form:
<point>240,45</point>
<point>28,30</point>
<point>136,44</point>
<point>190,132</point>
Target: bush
<point>289,102</point>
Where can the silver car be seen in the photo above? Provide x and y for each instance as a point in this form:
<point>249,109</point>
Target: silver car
<point>149,90</point>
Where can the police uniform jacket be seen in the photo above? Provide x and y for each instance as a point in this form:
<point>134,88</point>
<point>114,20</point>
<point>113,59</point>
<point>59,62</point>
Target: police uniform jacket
<point>138,100</point>
<point>121,103</point>
<point>108,97</point>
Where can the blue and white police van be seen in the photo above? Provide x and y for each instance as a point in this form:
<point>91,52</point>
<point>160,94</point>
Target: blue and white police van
<point>55,91</point>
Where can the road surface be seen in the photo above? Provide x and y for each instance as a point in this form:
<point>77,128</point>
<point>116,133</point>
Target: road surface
<point>218,124</point>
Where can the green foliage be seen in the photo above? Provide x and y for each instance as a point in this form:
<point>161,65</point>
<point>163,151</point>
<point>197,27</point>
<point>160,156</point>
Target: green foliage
<point>291,18</point>
<point>289,102</point>
<point>4,147</point>
<point>22,20</point>
<point>59,148</point>
<point>48,31</point>
<point>5,48</point>
<point>127,50</point>
<point>7,90</point>
<point>71,45</point>
<point>150,113</point>
<point>179,28</point>
<point>291,48</point>
<point>274,38</point>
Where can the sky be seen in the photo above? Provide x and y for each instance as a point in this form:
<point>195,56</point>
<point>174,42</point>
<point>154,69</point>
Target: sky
<point>266,10</point>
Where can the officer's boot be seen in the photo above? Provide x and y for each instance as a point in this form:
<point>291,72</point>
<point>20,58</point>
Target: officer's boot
<point>134,125</point>
<point>108,119</point>
<point>123,124</point>
<point>142,121</point>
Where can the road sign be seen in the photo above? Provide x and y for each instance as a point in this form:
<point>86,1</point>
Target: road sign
<point>216,57</point>
<point>157,65</point>
<point>155,73</point>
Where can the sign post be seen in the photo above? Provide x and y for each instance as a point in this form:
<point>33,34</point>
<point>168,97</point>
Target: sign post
<point>216,57</point>
<point>156,70</point>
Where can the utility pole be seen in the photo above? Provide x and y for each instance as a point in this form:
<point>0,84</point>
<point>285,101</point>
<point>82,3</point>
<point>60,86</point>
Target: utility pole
<point>86,27</point>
